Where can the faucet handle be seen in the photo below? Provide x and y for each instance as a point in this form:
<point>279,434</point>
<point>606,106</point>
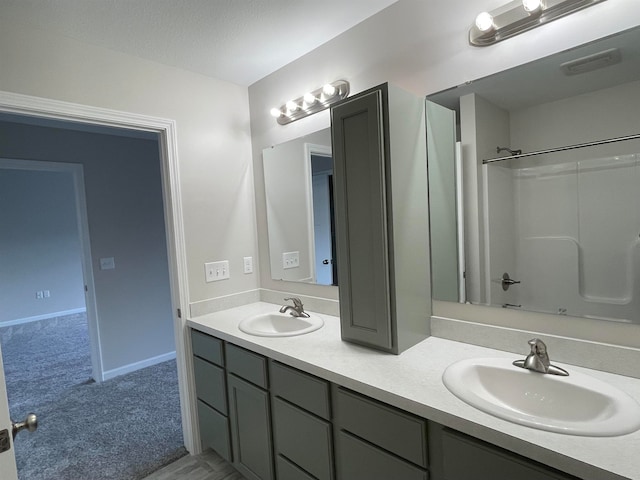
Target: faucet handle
<point>297,303</point>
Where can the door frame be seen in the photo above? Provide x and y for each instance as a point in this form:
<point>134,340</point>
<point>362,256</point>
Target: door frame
<point>168,151</point>
<point>80,205</point>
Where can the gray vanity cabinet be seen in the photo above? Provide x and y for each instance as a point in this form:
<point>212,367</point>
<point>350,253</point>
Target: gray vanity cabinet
<point>249,413</point>
<point>455,456</point>
<point>211,393</point>
<point>376,441</point>
<point>380,192</point>
<point>302,430</point>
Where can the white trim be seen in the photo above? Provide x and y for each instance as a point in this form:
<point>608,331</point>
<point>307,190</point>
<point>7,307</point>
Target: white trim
<point>44,316</point>
<point>166,129</point>
<point>132,367</point>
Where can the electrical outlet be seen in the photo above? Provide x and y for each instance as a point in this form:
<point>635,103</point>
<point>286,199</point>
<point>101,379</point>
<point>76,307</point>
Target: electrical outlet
<point>214,271</point>
<point>47,294</point>
<point>107,263</point>
<point>248,264</point>
<point>290,260</point>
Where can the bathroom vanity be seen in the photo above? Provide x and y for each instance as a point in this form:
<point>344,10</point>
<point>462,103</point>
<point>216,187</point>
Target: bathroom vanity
<point>315,407</point>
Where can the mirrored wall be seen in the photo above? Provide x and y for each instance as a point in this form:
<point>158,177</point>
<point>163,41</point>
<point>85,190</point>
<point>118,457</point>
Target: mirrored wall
<point>534,176</point>
<point>298,178</point>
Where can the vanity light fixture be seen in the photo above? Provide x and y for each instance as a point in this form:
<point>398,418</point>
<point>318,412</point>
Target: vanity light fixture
<point>519,16</point>
<point>311,102</point>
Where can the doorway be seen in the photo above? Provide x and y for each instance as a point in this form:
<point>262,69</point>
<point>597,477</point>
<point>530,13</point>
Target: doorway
<point>164,131</point>
<point>47,257</point>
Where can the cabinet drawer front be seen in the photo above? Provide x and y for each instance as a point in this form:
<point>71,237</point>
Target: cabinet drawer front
<point>207,347</point>
<point>486,462</point>
<point>248,365</point>
<point>210,384</point>
<point>303,438</point>
<point>302,389</point>
<point>288,471</point>
<point>399,432</point>
<point>214,430</point>
<point>360,460</point>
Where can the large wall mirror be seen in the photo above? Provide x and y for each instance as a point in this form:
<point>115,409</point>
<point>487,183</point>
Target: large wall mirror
<point>535,185</point>
<point>298,177</point>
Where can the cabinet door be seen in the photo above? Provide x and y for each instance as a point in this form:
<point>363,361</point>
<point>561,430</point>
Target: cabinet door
<point>250,419</point>
<point>358,139</point>
<point>459,457</point>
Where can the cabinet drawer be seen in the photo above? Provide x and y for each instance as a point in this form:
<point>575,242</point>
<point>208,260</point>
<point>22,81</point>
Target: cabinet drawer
<point>303,438</point>
<point>359,460</point>
<point>299,388</point>
<point>214,430</point>
<point>248,365</point>
<point>288,471</point>
<point>207,347</point>
<point>396,431</point>
<point>487,462</point>
<point>210,384</point>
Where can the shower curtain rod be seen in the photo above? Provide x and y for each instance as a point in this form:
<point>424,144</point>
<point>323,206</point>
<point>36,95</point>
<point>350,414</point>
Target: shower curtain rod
<point>562,149</point>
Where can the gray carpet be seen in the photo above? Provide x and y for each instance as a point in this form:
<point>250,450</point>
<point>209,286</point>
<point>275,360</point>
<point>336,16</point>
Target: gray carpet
<point>122,429</point>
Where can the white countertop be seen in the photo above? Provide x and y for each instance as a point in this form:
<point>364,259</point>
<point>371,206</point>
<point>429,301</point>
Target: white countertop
<point>412,381</point>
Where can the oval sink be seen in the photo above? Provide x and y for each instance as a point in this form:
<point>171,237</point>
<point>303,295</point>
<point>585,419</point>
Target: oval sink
<point>574,405</point>
<point>280,325</point>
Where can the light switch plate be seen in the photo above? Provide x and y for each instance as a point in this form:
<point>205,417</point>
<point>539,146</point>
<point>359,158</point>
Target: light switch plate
<point>248,264</point>
<point>290,260</point>
<point>214,271</point>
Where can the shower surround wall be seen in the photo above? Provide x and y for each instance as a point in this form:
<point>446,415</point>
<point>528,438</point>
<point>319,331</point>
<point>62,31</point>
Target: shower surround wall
<point>577,236</point>
<point>563,224</point>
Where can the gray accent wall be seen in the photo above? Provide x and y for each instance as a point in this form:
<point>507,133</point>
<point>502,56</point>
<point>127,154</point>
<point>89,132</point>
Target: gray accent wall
<point>126,221</point>
<point>39,245</point>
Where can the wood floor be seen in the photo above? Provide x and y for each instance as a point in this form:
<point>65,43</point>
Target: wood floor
<point>206,466</point>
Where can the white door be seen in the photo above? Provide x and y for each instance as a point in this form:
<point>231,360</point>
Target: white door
<point>8,470</point>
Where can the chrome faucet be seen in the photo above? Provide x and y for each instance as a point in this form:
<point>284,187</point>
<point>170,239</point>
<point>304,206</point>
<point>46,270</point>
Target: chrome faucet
<point>297,310</point>
<point>538,360</point>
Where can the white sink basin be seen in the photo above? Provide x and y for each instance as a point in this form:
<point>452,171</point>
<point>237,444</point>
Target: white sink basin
<point>574,405</point>
<point>280,325</point>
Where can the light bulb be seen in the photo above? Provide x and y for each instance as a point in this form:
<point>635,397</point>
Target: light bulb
<point>309,99</point>
<point>292,106</point>
<point>276,112</point>
<point>329,90</point>
<point>484,22</point>
<point>532,6</point>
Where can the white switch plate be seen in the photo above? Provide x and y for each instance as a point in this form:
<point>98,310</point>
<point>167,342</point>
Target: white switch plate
<point>214,271</point>
<point>248,264</point>
<point>107,263</point>
<point>39,294</point>
<point>290,260</point>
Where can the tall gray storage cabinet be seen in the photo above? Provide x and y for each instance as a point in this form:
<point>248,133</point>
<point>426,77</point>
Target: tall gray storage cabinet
<point>382,218</point>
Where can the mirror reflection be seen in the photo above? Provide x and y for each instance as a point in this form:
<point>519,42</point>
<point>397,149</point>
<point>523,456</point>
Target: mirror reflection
<point>534,176</point>
<point>298,177</point>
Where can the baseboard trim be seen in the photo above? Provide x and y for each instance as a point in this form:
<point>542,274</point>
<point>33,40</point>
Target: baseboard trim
<point>44,316</point>
<point>132,367</point>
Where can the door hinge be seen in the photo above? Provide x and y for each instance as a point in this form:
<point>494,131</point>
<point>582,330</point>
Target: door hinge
<point>179,313</point>
<point>5,443</point>
<point>86,289</point>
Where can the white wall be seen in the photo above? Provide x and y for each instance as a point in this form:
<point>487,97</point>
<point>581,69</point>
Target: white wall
<point>213,136</point>
<point>126,221</point>
<point>39,245</point>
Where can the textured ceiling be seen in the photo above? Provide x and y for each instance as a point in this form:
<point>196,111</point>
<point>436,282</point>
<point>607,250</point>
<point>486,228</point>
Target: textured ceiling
<point>240,41</point>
